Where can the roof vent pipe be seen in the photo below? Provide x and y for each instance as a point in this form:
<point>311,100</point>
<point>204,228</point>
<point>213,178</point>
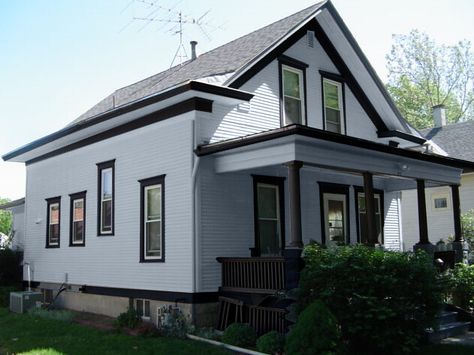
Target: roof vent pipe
<point>193,50</point>
<point>439,115</point>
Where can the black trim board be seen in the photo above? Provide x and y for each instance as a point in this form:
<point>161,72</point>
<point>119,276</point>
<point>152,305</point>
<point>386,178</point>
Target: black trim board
<point>192,85</point>
<point>402,135</point>
<point>316,133</point>
<point>340,189</point>
<point>381,193</point>
<point>157,180</point>
<point>110,164</point>
<point>192,104</point>
<point>280,183</point>
<point>72,198</point>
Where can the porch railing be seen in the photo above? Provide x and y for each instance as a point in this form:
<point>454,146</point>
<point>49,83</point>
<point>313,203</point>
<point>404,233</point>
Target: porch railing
<point>265,319</point>
<point>256,275</point>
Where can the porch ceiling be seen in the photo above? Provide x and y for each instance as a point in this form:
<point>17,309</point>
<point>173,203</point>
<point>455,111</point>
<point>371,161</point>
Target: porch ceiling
<point>333,155</point>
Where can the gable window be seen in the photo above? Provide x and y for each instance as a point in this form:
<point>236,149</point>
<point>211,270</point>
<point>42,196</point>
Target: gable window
<point>106,198</point>
<point>333,102</point>
<point>77,228</point>
<point>362,215</point>
<point>143,308</point>
<point>152,219</point>
<point>292,91</point>
<point>53,225</point>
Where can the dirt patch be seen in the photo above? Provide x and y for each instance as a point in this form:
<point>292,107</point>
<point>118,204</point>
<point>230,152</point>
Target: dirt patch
<point>95,320</point>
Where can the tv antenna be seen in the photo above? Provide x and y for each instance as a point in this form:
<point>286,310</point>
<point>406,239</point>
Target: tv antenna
<point>173,21</point>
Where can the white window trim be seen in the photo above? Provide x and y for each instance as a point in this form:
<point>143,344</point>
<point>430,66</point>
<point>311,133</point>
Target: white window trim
<point>145,221</point>
<point>102,200</point>
<point>302,91</point>
<point>143,309</point>
<point>51,205</point>
<point>81,241</point>
<point>438,195</point>
<point>341,104</point>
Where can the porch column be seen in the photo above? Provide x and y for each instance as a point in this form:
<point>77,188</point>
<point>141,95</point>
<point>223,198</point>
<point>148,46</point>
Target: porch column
<point>424,242</point>
<point>292,252</point>
<point>458,244</point>
<point>370,209</point>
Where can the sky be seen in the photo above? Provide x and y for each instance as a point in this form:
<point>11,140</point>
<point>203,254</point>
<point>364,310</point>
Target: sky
<point>59,58</point>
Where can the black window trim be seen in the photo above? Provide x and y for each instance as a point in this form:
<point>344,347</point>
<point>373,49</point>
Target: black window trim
<point>280,183</point>
<point>49,202</point>
<point>379,192</point>
<point>332,188</point>
<point>299,65</point>
<point>101,166</point>
<point>72,198</point>
<point>340,79</point>
<point>156,180</point>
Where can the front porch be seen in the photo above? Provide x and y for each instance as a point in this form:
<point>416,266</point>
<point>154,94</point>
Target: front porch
<point>307,186</point>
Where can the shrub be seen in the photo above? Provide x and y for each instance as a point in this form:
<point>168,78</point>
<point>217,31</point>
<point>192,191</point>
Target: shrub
<point>61,315</point>
<point>239,334</point>
<point>461,283</point>
<point>315,332</point>
<point>271,343</point>
<point>128,319</point>
<point>177,325</point>
<point>383,300</point>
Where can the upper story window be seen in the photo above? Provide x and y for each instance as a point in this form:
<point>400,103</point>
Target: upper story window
<point>106,198</point>
<point>77,227</point>
<point>152,219</point>
<point>293,91</point>
<point>333,102</point>
<point>53,225</point>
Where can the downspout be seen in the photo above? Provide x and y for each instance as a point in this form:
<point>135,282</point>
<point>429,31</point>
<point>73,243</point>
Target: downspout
<point>194,206</point>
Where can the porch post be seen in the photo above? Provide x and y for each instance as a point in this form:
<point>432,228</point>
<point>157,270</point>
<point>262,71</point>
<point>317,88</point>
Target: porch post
<point>458,244</point>
<point>292,252</point>
<point>424,242</point>
<point>370,209</point>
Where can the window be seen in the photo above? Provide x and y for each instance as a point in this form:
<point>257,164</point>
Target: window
<point>53,225</point>
<point>440,202</point>
<point>362,216</point>
<point>269,215</point>
<point>292,90</point>
<point>106,190</point>
<point>334,207</point>
<point>152,219</point>
<point>333,106</point>
<point>77,228</point>
<point>143,308</point>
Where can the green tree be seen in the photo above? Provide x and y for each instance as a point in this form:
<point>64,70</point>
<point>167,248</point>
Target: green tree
<point>423,74</point>
<point>5,218</point>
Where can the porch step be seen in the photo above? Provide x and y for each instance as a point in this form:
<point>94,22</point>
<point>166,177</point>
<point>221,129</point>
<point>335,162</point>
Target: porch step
<point>447,330</point>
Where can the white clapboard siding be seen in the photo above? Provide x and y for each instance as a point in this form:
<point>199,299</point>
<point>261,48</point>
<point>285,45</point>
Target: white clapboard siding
<point>263,111</point>
<point>113,261</point>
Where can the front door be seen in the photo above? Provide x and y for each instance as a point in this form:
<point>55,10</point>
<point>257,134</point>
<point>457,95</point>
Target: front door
<point>335,218</point>
<point>268,219</point>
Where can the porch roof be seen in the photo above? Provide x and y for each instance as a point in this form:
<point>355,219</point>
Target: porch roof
<point>321,148</point>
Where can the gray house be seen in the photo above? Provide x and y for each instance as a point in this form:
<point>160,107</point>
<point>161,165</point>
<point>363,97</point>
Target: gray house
<point>453,140</point>
<point>207,179</point>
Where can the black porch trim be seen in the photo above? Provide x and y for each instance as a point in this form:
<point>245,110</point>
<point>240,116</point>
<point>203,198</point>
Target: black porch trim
<point>402,135</point>
<point>193,104</point>
<point>192,85</point>
<point>332,188</point>
<point>316,133</point>
<point>168,296</point>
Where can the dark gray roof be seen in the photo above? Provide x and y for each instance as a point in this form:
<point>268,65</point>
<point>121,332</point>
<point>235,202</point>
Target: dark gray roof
<point>455,139</point>
<point>11,204</point>
<point>225,59</point>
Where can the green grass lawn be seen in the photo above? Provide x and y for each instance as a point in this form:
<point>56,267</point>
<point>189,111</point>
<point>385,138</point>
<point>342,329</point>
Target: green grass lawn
<point>38,336</point>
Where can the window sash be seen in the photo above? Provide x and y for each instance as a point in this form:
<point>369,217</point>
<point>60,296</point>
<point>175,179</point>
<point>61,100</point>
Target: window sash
<point>106,201</point>
<point>333,125</point>
<point>53,226</point>
<point>153,249</point>
<point>287,98</point>
<point>142,308</point>
<point>78,219</point>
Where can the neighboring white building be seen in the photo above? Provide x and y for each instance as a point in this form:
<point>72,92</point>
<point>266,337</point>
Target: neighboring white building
<point>17,208</point>
<point>251,150</point>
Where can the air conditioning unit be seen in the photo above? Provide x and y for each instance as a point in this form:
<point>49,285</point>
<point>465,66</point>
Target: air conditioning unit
<point>20,302</point>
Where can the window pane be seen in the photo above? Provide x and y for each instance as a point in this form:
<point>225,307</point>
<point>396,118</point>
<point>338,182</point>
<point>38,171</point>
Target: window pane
<point>153,203</point>
<point>78,231</point>
<point>361,203</point>
<point>78,210</point>
<point>153,238</point>
<point>106,184</point>
<point>54,214</point>
<point>140,308</point>
<point>54,233</point>
<point>336,221</point>
<point>292,110</point>
<point>331,95</point>
<point>332,127</point>
<point>333,116</point>
<point>441,202</point>
<point>267,202</point>
<point>269,237</point>
<point>147,309</point>
<point>107,216</point>
<point>291,81</point>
